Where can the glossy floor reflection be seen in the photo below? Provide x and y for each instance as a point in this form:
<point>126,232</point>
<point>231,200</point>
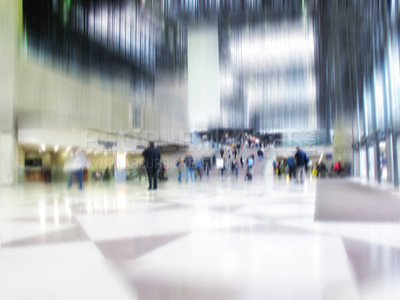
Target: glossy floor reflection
<point>216,239</point>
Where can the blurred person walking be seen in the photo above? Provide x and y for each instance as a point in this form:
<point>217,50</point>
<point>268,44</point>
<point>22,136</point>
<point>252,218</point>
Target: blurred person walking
<point>301,162</point>
<point>224,165</point>
<point>106,176</point>
<point>179,165</point>
<point>235,167</point>
<point>152,162</point>
<point>199,170</point>
<point>292,167</point>
<point>260,154</point>
<point>189,162</point>
<point>249,171</point>
<point>76,165</point>
<point>279,168</point>
<point>207,165</point>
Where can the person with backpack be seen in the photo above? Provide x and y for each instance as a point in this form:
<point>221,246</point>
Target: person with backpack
<point>249,171</point>
<point>189,162</point>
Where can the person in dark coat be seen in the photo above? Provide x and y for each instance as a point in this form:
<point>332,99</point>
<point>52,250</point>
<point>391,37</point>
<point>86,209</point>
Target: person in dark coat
<point>207,165</point>
<point>152,160</point>
<point>222,152</point>
<point>301,162</point>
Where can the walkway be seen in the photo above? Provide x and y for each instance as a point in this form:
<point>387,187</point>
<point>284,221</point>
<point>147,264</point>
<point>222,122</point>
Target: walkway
<point>216,239</point>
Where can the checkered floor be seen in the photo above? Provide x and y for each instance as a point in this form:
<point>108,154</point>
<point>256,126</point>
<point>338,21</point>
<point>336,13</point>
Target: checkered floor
<point>216,239</point>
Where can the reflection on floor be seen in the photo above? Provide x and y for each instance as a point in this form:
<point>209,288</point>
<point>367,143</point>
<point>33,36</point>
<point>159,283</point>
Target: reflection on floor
<point>216,239</point>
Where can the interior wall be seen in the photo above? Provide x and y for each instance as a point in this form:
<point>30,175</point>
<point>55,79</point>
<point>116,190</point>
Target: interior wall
<point>9,17</point>
<point>8,40</point>
<point>203,77</point>
<point>166,118</point>
<point>48,98</point>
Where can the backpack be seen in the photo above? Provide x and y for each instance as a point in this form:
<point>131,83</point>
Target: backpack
<point>191,163</point>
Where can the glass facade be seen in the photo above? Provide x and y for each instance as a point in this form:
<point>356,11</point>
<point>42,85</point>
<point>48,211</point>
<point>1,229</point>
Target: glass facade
<point>380,106</point>
<point>268,78</point>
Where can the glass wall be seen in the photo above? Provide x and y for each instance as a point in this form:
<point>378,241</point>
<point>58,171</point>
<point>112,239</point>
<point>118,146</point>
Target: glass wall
<point>380,117</point>
<point>371,162</point>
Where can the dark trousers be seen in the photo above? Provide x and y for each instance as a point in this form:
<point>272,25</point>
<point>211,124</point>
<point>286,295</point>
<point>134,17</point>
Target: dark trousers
<point>152,173</point>
<point>292,172</point>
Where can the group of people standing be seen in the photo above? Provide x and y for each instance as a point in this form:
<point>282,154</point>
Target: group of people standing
<point>193,168</point>
<point>228,160</point>
<point>297,165</point>
<point>153,164</point>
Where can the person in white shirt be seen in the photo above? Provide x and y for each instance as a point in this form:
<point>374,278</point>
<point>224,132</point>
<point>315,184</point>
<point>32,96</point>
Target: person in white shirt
<point>78,162</point>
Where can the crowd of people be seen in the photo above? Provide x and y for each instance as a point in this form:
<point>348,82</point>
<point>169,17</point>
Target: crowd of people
<point>298,165</point>
<point>230,158</point>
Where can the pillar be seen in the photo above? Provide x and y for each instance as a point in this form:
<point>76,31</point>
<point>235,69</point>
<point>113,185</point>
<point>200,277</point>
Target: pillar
<point>9,15</point>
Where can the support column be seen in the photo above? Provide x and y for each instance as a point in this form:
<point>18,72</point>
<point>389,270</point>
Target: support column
<point>9,13</point>
<point>395,161</point>
<point>389,157</point>
<point>8,171</point>
<point>378,172</point>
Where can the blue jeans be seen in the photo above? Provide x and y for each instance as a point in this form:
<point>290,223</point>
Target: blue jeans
<point>189,170</point>
<point>180,176</point>
<point>79,177</point>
